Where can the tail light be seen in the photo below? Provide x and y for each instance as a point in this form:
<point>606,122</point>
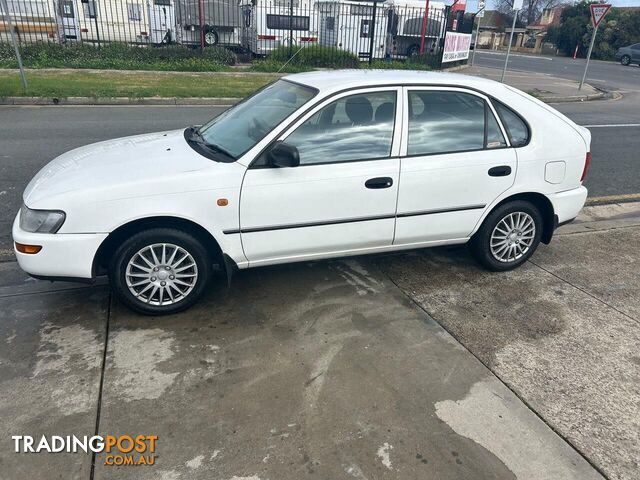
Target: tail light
<point>266,37</point>
<point>587,162</point>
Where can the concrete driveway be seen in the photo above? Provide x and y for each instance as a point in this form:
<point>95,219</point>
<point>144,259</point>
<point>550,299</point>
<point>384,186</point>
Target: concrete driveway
<point>315,370</point>
<point>563,331</point>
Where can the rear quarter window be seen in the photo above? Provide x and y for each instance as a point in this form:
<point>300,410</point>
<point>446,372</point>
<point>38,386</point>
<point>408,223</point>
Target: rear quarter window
<point>516,127</point>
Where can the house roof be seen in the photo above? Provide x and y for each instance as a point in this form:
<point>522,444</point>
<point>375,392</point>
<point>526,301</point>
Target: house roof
<point>493,19</point>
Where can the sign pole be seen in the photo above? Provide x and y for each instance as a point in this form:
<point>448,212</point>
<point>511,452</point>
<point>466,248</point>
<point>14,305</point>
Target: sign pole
<point>475,47</point>
<point>506,60</point>
<point>7,17</point>
<point>598,12</point>
<point>593,40</point>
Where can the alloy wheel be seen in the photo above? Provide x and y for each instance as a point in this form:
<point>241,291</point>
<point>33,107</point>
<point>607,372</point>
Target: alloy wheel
<point>161,274</point>
<point>512,237</point>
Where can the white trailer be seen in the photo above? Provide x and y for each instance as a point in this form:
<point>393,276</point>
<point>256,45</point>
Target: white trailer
<point>135,22</point>
<point>275,23</point>
<point>350,26</point>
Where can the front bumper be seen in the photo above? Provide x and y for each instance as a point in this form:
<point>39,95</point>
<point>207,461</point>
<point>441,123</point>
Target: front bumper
<point>63,255</point>
<point>567,205</point>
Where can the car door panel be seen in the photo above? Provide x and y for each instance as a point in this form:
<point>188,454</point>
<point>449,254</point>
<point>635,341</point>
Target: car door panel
<point>443,195</point>
<point>288,212</point>
<point>337,199</point>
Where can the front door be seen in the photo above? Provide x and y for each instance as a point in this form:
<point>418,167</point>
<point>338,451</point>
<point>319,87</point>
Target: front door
<point>456,162</point>
<point>162,21</point>
<point>341,198</point>
<point>68,21</point>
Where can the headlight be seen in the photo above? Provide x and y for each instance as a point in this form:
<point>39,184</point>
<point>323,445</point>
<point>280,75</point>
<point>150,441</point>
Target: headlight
<point>41,221</point>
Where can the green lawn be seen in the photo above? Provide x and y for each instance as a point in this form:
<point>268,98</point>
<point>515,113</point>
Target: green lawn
<point>132,85</point>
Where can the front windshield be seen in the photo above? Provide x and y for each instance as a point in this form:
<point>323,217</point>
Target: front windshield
<point>241,127</point>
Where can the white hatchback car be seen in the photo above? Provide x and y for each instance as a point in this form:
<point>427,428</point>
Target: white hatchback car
<point>315,165</point>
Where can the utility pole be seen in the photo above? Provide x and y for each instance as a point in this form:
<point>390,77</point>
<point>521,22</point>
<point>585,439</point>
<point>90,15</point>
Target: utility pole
<point>7,18</point>
<point>517,6</point>
<point>479,16</point>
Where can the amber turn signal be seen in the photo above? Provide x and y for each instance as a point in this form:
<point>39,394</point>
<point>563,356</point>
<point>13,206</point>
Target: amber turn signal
<point>30,249</point>
<point>223,202</point>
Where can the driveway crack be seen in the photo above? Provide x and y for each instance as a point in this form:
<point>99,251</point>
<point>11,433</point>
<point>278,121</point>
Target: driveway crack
<point>101,386</point>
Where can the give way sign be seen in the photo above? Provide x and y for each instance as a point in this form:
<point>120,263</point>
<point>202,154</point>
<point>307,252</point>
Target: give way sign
<point>598,11</point>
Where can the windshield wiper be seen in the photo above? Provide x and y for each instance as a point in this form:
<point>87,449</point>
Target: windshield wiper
<point>197,138</point>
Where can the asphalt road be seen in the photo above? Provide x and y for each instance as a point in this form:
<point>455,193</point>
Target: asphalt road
<point>607,75</point>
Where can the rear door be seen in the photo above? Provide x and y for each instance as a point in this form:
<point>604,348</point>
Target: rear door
<point>455,162</point>
<point>342,196</point>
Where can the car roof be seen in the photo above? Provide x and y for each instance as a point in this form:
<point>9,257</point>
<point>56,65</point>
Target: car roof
<point>330,81</point>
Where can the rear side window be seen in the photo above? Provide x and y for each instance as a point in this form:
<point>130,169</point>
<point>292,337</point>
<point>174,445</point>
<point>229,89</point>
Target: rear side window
<point>516,127</point>
<point>447,122</point>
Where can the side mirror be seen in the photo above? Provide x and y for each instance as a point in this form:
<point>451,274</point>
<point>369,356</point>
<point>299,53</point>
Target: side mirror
<point>283,155</point>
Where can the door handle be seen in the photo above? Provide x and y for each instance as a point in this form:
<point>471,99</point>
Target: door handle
<point>379,182</point>
<point>501,171</point>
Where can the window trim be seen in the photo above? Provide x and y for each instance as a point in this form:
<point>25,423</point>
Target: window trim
<point>396,138</point>
<point>404,149</point>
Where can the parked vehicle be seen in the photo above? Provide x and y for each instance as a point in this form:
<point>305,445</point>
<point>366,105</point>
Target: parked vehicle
<point>150,22</point>
<point>269,24</point>
<point>313,166</point>
<point>350,25</point>
<point>404,26</point>
<point>629,55</point>
<point>31,21</point>
<point>221,22</point>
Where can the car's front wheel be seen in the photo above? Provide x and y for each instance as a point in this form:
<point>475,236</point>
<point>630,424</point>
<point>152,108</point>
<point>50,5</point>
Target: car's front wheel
<point>508,236</point>
<point>625,60</point>
<point>160,271</point>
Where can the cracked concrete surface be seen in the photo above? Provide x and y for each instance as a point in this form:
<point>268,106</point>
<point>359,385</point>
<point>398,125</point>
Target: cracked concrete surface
<point>562,331</point>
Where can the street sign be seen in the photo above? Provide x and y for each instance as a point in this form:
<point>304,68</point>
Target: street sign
<point>598,12</point>
<point>517,5</point>
<point>481,6</point>
<point>480,14</point>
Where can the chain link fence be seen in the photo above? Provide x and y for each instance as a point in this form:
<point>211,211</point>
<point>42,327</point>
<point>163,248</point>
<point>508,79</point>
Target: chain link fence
<point>365,30</point>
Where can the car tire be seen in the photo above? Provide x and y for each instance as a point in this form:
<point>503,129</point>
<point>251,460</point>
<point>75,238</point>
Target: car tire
<point>413,50</point>
<point>210,38</point>
<point>625,60</point>
<point>160,271</point>
<point>508,236</point>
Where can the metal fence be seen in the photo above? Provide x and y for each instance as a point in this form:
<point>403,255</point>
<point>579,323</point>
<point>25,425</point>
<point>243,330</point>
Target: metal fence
<point>370,30</point>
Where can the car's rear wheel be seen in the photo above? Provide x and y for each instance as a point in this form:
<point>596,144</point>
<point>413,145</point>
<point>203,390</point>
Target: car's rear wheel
<point>160,271</point>
<point>508,236</point>
<point>625,60</point>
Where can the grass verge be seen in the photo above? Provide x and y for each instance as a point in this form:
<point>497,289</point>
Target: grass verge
<point>131,85</point>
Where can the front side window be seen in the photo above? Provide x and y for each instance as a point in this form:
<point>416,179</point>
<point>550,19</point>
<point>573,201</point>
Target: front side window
<point>447,122</point>
<point>514,125</point>
<point>357,127</point>
<point>241,127</point>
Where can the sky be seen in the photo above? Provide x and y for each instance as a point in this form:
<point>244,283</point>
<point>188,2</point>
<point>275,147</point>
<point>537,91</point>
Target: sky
<point>472,4</point>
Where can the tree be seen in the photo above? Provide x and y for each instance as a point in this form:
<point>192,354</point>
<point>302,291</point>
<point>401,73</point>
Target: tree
<point>531,9</point>
<point>619,28</point>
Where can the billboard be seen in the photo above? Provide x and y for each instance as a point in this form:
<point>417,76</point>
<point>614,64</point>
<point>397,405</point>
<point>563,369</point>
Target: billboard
<point>456,47</point>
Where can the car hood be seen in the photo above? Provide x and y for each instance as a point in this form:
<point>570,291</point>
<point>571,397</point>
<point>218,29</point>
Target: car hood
<point>116,166</point>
